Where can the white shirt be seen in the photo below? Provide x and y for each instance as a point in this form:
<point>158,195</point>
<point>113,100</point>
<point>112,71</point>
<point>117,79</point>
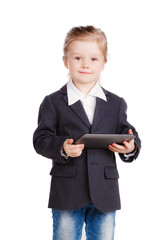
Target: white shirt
<point>88,100</point>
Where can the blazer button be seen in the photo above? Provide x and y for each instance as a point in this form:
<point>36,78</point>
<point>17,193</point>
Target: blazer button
<point>94,163</point>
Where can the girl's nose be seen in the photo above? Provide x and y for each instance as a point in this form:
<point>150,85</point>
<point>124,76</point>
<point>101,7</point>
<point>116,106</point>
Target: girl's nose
<point>85,64</point>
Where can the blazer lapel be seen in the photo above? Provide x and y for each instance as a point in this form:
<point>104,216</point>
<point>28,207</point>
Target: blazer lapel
<point>78,109</point>
<point>80,112</point>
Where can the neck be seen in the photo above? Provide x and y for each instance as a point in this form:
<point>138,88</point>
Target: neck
<point>85,87</point>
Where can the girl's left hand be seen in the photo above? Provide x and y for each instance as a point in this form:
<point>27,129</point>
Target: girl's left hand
<point>126,148</point>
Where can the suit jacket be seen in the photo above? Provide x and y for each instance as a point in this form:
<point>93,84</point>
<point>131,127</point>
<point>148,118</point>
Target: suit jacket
<point>93,175</point>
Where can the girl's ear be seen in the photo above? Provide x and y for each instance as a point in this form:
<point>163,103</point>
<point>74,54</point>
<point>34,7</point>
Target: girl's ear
<point>104,65</point>
<point>65,61</point>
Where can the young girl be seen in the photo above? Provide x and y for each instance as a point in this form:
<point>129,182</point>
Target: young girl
<point>84,185</point>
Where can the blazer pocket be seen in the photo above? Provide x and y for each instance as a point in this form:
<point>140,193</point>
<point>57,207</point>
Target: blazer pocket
<point>111,173</point>
<point>64,171</point>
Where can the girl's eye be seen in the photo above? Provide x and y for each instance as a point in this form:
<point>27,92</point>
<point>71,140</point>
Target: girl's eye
<point>77,58</point>
<point>94,59</point>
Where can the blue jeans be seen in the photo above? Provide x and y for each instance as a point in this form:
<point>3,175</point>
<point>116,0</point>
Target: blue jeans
<point>68,225</point>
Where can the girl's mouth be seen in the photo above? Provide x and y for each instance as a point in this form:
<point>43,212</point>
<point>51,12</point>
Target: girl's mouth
<point>85,72</point>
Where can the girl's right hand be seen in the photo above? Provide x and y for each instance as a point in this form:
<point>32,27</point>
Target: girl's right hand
<point>72,150</point>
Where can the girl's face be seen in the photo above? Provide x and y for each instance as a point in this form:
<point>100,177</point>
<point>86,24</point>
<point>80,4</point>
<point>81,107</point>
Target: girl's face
<point>85,62</point>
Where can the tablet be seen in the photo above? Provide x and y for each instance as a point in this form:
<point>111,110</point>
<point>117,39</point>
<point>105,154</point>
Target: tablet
<point>103,140</point>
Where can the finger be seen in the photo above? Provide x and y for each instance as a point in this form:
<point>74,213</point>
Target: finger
<point>70,141</point>
<point>111,148</point>
<point>126,148</point>
<point>118,146</point>
<point>82,146</point>
<point>130,145</point>
<point>77,146</point>
<point>115,149</point>
<point>130,131</point>
<point>75,152</point>
<point>127,144</point>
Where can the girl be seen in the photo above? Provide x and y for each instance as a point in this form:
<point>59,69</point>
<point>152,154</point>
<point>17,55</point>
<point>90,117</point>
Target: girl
<point>84,185</point>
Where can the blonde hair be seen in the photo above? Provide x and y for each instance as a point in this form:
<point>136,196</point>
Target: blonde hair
<point>85,33</point>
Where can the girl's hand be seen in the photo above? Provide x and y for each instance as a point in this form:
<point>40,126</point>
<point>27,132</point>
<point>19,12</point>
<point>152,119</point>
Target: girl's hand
<point>127,148</point>
<point>72,150</point>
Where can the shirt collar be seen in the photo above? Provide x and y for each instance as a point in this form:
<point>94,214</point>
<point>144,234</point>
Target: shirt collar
<point>74,94</point>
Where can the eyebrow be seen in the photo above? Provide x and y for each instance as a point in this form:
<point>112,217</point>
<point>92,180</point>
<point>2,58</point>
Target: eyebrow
<point>94,54</point>
<point>75,53</point>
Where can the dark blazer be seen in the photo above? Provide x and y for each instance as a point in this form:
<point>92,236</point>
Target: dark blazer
<point>92,176</point>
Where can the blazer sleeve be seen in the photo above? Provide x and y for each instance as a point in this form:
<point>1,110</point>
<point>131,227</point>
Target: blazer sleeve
<point>123,127</point>
<point>45,139</point>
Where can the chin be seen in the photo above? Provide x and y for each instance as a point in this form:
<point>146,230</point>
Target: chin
<point>87,81</point>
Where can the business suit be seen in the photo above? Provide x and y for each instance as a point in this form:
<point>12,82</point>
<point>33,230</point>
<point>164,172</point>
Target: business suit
<point>93,175</point>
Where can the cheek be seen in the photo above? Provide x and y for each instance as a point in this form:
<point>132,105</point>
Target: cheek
<point>72,67</point>
<point>98,68</point>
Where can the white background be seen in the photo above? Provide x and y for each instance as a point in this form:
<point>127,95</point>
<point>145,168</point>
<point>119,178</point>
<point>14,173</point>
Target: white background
<point>32,34</point>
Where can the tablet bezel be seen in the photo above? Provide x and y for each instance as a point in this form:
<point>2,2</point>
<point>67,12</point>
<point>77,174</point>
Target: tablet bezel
<point>103,140</point>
